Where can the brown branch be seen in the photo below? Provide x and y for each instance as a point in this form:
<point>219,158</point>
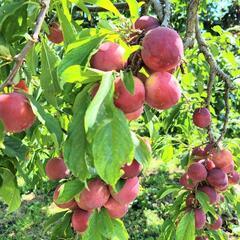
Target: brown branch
<point>19,59</point>
<point>210,59</point>
<point>158,9</point>
<point>167,13</point>
<point>190,24</point>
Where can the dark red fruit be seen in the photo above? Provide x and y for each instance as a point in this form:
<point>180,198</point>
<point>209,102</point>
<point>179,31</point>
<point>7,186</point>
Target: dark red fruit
<point>209,164</point>
<point>55,33</point>
<point>134,115</point>
<point>198,151</point>
<point>146,23</point>
<point>21,86</point>
<point>217,224</point>
<point>217,179</point>
<point>186,182</point>
<point>233,178</point>
<point>162,49</point>
<point>110,56</point>
<point>200,218</point>
<point>132,170</point>
<point>56,169</point>
<point>80,220</point>
<point>197,172</point>
<point>162,90</point>
<point>16,113</point>
<point>202,117</point>
<point>211,193</point>
<point>126,101</point>
<point>115,209</point>
<point>95,196</point>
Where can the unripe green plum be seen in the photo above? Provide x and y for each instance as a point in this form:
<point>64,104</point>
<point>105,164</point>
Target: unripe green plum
<point>16,113</point>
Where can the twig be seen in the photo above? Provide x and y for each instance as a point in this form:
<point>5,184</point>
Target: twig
<point>212,76</point>
<point>210,59</point>
<point>190,24</point>
<point>227,111</point>
<point>19,59</point>
<point>167,13</point>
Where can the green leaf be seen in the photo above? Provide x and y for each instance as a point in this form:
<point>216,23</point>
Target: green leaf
<point>48,79</point>
<point>15,148</point>
<point>83,7</point>
<point>167,154</point>
<point>186,227</point>
<point>69,189</point>
<point>134,9</point>
<point>69,32</point>
<point>119,232</point>
<point>168,191</point>
<point>81,54</point>
<point>142,154</point>
<point>94,107</point>
<point>76,73</point>
<point>53,219</point>
<point>75,145</point>
<point>9,191</point>
<point>128,80</point>
<point>51,123</point>
<point>112,146</point>
<point>1,134</point>
<point>106,4</point>
<point>204,201</point>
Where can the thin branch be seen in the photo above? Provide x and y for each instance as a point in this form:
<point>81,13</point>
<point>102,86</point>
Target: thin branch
<point>212,76</point>
<point>19,59</point>
<point>190,24</point>
<point>227,111</point>
<point>209,57</point>
<point>158,9</point>
<point>145,7</point>
<point>167,13</point>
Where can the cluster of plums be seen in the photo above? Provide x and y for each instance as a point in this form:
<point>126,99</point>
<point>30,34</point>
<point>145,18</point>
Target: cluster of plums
<point>211,173</point>
<point>16,113</point>
<point>97,195</point>
<point>161,52</point>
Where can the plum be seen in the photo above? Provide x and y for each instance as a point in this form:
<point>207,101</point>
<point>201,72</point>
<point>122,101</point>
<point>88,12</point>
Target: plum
<point>115,209</point>
<point>217,178</point>
<point>211,193</point>
<point>132,170</point>
<point>80,220</point>
<point>202,117</point>
<point>197,172</point>
<point>146,23</point>
<point>55,33</point>
<point>200,218</point>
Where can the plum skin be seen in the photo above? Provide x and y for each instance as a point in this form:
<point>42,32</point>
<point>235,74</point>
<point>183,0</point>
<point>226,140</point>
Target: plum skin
<point>115,209</point>
<point>55,33</point>
<point>197,172</point>
<point>202,117</point>
<point>80,220</point>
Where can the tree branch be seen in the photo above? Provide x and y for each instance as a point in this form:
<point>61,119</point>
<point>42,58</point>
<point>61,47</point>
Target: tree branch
<point>167,13</point>
<point>190,24</point>
<point>19,59</point>
<point>158,8</point>
<point>210,59</point>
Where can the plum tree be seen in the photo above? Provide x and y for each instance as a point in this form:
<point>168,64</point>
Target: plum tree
<point>217,178</point>
<point>223,159</point>
<point>211,193</point>
<point>55,33</point>
<point>197,172</point>
<point>126,101</point>
<point>95,196</point>
<point>110,56</point>
<point>134,115</point>
<point>115,209</point>
<point>162,90</point>
<point>21,85</point>
<point>233,178</point>
<point>56,169</point>
<point>202,117</point>
<point>132,170</point>
<point>70,204</point>
<point>146,23</point>
<point>186,182</point>
<point>16,112</point>
<point>80,220</point>
<point>217,224</point>
<point>128,192</point>
<point>162,49</point>
<point>200,218</point>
